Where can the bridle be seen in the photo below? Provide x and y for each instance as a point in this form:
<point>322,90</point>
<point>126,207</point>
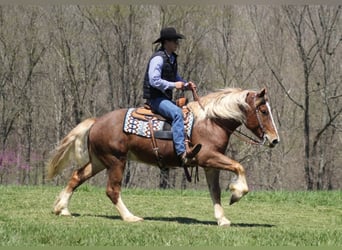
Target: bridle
<point>246,138</point>
<point>257,112</point>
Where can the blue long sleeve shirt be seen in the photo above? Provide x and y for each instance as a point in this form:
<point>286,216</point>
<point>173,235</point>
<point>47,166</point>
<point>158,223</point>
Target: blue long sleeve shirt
<point>154,73</point>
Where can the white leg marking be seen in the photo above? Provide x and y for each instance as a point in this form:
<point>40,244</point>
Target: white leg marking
<point>238,188</point>
<point>62,203</point>
<point>219,215</point>
<point>126,215</point>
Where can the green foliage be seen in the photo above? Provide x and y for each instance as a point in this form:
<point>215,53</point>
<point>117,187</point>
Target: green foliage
<point>172,218</point>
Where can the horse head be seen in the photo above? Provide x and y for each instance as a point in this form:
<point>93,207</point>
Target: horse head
<point>259,117</point>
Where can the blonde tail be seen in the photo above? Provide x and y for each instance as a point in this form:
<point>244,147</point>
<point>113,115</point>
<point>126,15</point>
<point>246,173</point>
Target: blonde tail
<point>73,147</point>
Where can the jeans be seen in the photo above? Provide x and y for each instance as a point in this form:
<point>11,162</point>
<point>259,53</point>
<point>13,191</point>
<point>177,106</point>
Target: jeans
<point>171,111</point>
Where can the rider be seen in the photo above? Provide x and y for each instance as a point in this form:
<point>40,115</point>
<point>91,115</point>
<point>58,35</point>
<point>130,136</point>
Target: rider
<point>160,78</point>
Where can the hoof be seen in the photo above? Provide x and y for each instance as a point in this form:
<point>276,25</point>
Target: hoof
<point>234,198</point>
<point>133,219</point>
<point>237,194</point>
<point>62,212</point>
<point>224,222</point>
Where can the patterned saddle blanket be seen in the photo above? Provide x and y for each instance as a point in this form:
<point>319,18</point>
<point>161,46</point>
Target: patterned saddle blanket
<point>138,124</point>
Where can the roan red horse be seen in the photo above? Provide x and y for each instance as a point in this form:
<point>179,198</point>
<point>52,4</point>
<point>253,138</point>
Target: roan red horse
<point>100,143</point>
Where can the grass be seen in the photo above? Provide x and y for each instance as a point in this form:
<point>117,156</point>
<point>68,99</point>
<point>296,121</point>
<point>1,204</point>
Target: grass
<point>172,218</point>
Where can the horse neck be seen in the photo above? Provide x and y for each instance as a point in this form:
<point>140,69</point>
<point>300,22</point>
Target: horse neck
<point>228,125</point>
<point>214,132</point>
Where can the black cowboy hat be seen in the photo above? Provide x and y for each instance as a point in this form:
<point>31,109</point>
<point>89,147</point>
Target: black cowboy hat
<point>168,33</point>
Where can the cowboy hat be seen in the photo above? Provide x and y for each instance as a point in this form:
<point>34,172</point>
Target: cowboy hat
<point>168,33</point>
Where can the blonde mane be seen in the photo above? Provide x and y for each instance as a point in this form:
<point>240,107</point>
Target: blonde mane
<point>226,104</point>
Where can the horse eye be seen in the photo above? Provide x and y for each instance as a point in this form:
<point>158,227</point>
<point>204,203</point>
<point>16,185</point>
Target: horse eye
<point>264,111</point>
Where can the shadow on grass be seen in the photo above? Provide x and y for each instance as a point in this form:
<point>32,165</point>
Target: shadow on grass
<point>251,225</point>
<point>186,220</point>
<point>181,220</point>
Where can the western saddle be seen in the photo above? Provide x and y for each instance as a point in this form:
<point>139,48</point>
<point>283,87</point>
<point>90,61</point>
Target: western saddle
<point>145,113</point>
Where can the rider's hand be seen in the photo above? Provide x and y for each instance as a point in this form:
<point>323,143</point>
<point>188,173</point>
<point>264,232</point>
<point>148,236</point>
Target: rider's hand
<point>179,85</point>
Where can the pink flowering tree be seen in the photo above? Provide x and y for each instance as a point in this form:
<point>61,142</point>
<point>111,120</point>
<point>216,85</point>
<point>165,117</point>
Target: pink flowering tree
<point>15,169</point>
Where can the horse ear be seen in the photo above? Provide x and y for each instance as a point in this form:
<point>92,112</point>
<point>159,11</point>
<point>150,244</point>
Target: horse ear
<point>262,93</point>
<point>260,97</point>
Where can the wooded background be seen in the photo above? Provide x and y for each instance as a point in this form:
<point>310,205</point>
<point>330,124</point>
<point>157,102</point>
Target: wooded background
<point>62,64</point>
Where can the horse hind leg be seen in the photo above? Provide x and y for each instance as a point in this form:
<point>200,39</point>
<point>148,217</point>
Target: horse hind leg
<point>78,177</point>
<point>125,214</point>
<point>113,191</point>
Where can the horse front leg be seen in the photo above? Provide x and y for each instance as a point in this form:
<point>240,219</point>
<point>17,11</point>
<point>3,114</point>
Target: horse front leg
<point>239,186</point>
<point>212,176</point>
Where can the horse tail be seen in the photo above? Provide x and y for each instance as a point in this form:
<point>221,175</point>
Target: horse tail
<point>73,146</point>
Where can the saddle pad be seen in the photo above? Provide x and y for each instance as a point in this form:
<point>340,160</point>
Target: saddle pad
<point>139,127</point>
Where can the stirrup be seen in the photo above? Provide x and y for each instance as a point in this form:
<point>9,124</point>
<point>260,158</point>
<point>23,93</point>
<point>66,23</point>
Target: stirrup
<point>187,157</point>
<point>192,152</point>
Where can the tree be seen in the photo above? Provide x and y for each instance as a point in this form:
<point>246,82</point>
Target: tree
<point>79,59</point>
<point>323,21</point>
<point>9,49</point>
<point>34,48</point>
<point>312,30</point>
<point>61,64</point>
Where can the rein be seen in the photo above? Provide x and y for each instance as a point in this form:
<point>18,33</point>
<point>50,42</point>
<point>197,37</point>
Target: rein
<point>196,97</point>
<point>246,138</point>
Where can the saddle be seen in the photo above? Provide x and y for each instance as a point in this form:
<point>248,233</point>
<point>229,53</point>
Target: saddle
<point>144,122</point>
<point>145,113</point>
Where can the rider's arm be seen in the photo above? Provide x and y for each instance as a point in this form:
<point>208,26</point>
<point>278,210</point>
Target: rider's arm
<point>154,73</point>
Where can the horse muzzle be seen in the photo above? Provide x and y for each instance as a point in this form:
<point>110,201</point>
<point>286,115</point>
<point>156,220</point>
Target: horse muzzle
<point>273,143</point>
<point>272,140</point>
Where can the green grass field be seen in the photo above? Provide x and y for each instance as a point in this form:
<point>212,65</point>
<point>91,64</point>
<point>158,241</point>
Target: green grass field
<point>172,218</point>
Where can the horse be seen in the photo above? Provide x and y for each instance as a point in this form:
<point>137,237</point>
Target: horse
<point>100,143</point>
